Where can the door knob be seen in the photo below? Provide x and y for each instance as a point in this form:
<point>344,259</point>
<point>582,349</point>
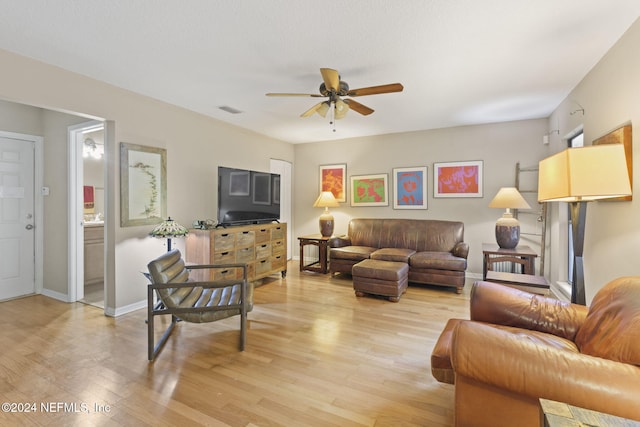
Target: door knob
<point>29,227</point>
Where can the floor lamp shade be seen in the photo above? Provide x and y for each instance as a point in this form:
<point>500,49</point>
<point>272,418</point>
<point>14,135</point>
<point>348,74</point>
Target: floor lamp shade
<point>577,176</point>
<point>326,200</point>
<point>584,174</point>
<point>508,227</point>
<point>169,229</point>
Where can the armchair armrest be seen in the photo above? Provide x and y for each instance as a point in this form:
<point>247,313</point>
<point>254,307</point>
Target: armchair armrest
<point>498,358</point>
<point>502,305</point>
<point>461,250</point>
<point>339,241</point>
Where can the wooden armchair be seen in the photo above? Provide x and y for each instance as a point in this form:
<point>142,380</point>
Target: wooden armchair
<point>194,301</point>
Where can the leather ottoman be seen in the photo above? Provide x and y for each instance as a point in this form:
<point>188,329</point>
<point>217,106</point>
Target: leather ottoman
<point>376,277</point>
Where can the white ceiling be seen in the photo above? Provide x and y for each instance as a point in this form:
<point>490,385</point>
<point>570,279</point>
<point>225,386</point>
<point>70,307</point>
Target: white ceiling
<point>461,62</point>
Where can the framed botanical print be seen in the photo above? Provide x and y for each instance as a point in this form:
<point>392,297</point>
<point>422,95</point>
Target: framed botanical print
<point>143,185</point>
<point>410,188</point>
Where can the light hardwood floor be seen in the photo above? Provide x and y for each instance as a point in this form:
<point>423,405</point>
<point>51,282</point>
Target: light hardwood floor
<point>316,356</point>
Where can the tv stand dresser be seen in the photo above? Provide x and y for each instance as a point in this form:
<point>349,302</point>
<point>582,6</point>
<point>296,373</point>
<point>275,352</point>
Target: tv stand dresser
<point>263,247</point>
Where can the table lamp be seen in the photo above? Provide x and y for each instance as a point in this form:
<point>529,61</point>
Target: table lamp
<point>577,176</point>
<point>326,200</point>
<point>169,229</point>
<point>508,227</point>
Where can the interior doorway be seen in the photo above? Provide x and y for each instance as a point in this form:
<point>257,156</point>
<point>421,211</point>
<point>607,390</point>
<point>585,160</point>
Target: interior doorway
<point>284,169</point>
<point>87,208</point>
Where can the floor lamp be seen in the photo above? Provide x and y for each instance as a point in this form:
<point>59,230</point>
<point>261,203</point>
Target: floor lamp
<point>169,229</point>
<point>578,176</point>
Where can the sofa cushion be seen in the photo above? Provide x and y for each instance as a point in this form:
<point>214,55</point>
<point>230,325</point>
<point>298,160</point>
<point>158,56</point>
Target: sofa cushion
<point>355,253</point>
<point>612,327</point>
<point>393,254</point>
<point>438,261</point>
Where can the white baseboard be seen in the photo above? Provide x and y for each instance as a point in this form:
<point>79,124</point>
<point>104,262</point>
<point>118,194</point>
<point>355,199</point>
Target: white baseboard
<point>55,295</point>
<point>111,312</point>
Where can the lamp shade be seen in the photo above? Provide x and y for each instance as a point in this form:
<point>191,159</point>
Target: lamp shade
<point>169,229</point>
<point>509,198</point>
<point>584,174</point>
<point>326,200</point>
<point>323,108</point>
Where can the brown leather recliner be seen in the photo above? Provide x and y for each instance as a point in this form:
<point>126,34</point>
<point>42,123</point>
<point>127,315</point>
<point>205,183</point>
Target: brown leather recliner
<point>520,347</point>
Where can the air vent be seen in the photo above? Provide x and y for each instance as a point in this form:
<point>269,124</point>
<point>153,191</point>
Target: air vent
<point>230,109</point>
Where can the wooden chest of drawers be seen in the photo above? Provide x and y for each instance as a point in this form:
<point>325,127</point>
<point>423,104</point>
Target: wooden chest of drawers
<point>263,247</point>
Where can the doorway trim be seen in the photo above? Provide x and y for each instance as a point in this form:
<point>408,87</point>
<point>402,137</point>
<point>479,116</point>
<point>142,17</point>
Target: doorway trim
<point>284,169</point>
<point>38,203</point>
<point>75,289</point>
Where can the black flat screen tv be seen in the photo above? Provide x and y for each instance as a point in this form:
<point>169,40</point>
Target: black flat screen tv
<point>247,197</point>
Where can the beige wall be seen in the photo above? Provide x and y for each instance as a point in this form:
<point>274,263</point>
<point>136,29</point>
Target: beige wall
<point>195,145</point>
<point>500,146</point>
<point>610,96</point>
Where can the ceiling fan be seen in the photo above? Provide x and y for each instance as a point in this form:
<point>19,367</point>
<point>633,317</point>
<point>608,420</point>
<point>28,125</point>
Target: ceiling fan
<point>334,89</point>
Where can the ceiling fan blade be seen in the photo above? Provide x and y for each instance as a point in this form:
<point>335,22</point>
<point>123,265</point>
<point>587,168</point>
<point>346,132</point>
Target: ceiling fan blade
<point>375,90</point>
<point>358,108</point>
<point>314,95</point>
<point>331,78</point>
<point>312,110</point>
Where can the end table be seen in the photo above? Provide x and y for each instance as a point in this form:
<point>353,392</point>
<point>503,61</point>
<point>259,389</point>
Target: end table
<point>522,257</point>
<point>321,265</point>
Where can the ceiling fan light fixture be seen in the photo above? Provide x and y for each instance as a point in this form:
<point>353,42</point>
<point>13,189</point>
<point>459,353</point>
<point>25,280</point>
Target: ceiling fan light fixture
<point>334,88</point>
<point>341,109</point>
<point>323,109</point>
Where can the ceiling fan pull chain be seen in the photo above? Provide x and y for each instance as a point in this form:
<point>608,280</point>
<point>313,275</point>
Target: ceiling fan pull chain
<point>333,115</point>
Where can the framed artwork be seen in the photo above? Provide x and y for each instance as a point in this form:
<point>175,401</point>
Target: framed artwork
<point>622,136</point>
<point>457,179</point>
<point>369,190</point>
<point>410,188</point>
<point>143,185</point>
<point>334,178</point>
<point>239,183</point>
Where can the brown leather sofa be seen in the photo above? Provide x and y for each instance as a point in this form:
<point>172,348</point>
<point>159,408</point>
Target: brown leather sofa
<point>520,347</point>
<point>435,250</point>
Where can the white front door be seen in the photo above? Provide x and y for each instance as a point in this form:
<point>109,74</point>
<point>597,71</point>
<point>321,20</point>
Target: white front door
<point>17,223</point>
